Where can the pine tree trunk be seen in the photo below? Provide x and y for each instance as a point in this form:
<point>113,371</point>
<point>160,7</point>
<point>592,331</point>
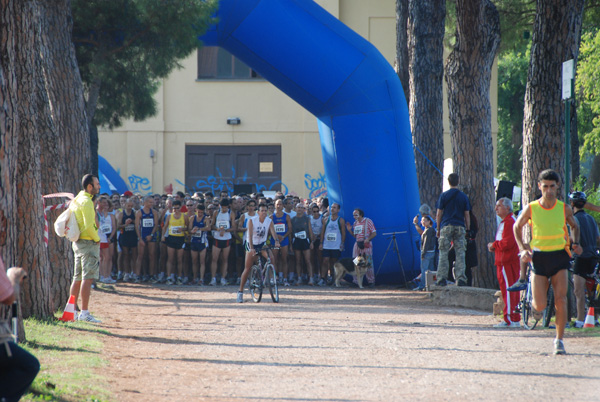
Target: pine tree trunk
<point>426,72</point>
<point>65,138</point>
<point>31,253</point>
<point>468,75</point>
<point>556,36</point>
<point>9,133</point>
<point>401,61</point>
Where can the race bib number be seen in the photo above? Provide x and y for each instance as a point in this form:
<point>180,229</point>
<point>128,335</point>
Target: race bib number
<point>148,223</point>
<point>130,227</point>
<point>223,224</point>
<point>358,229</point>
<point>175,230</point>
<point>331,236</point>
<point>301,235</point>
<point>280,228</point>
<point>197,234</point>
<point>106,229</point>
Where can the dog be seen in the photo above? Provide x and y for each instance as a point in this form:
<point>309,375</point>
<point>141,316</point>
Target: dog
<point>345,266</point>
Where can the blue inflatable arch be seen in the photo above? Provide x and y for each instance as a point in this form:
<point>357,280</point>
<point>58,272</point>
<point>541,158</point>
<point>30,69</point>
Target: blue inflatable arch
<point>358,100</point>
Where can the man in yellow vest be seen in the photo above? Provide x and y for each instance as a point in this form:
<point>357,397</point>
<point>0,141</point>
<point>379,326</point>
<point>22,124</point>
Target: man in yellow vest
<point>549,250</point>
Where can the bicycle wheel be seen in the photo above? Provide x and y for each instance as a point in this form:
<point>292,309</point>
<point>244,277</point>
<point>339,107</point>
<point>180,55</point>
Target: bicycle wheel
<point>549,310</point>
<point>255,284</point>
<point>528,321</point>
<point>272,283</point>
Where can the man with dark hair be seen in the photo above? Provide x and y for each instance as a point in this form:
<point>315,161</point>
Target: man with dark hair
<point>549,250</point>
<point>87,248</point>
<point>453,221</point>
<point>586,261</point>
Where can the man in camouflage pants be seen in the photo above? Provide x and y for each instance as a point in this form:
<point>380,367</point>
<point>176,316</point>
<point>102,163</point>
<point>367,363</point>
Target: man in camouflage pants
<point>453,220</point>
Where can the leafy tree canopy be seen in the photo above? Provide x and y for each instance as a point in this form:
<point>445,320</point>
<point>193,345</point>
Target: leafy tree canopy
<point>125,47</point>
<point>588,90</point>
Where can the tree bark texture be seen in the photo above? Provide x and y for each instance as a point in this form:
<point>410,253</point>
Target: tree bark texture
<point>468,75</point>
<point>426,72</point>
<point>64,137</point>
<point>9,129</point>
<point>401,62</point>
<point>44,140</point>
<point>31,253</point>
<point>556,37</point>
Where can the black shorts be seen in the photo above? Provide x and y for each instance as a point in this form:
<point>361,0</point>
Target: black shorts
<point>327,253</point>
<point>222,243</point>
<point>257,247</point>
<point>240,250</point>
<point>197,246</point>
<point>301,244</point>
<point>175,242</point>
<point>128,241</point>
<point>549,263</point>
<point>584,267</point>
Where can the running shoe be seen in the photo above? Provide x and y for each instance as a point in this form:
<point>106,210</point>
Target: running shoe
<point>240,297</point>
<point>519,285</point>
<point>286,283</point>
<point>559,347</point>
<point>224,282</point>
<point>322,282</point>
<point>185,280</point>
<point>502,324</point>
<point>311,282</point>
<point>88,318</point>
<point>126,278</point>
<point>213,281</point>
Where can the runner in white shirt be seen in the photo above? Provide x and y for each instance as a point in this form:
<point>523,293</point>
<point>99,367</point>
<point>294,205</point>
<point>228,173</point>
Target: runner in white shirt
<point>258,229</point>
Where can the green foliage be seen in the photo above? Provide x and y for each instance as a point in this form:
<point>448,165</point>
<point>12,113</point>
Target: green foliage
<point>588,91</point>
<point>593,196</point>
<point>128,46</point>
<point>512,80</point>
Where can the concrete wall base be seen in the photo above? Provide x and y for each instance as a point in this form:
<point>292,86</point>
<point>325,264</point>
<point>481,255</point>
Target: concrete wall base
<point>467,297</point>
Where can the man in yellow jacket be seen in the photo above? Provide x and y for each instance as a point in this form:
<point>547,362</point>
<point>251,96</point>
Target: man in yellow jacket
<point>87,248</point>
<point>549,250</point>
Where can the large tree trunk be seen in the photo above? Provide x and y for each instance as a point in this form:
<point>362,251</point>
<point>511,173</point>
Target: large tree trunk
<point>9,134</point>
<point>401,61</point>
<point>468,74</point>
<point>426,72</point>
<point>65,137</point>
<point>556,36</point>
<point>31,253</point>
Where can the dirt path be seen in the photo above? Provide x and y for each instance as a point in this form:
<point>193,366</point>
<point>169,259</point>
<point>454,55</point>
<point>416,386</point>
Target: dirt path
<point>323,344</point>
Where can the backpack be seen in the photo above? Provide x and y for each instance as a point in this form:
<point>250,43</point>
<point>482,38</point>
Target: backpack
<point>66,225</point>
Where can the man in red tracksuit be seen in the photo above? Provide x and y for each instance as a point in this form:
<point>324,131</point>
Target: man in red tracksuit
<point>507,262</point>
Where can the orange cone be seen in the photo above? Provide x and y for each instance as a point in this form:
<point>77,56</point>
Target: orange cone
<point>69,313</point>
<point>589,319</point>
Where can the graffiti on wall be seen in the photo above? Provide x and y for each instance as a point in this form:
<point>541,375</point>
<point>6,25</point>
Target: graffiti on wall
<point>139,184</point>
<point>317,186</point>
<point>218,183</point>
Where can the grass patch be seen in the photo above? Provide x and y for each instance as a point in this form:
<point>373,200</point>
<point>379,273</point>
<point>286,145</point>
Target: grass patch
<point>70,359</point>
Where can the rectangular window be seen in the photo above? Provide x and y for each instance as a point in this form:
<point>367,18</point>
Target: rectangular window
<point>215,63</point>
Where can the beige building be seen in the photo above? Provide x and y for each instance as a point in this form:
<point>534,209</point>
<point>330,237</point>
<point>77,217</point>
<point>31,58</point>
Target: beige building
<point>221,126</point>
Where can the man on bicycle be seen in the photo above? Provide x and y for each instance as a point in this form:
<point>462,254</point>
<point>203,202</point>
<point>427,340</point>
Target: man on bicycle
<point>550,240</point>
<point>258,228</point>
<point>585,262</point>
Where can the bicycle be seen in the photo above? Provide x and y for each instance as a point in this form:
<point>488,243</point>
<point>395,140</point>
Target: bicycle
<point>263,275</point>
<point>525,304</point>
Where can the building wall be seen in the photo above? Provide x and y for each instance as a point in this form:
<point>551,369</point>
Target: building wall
<point>195,112</point>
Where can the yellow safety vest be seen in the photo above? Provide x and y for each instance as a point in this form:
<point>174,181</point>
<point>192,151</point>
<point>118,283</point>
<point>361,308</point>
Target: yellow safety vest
<point>548,227</point>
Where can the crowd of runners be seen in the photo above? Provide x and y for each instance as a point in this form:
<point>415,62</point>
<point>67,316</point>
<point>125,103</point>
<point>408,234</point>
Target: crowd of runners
<point>200,239</point>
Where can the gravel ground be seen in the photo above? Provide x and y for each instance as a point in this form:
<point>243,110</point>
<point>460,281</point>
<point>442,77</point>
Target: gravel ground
<point>327,344</point>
